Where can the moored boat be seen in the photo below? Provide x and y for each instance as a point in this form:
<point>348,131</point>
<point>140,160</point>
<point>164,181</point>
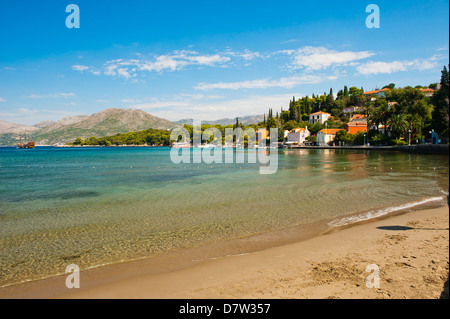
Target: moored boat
<point>26,145</point>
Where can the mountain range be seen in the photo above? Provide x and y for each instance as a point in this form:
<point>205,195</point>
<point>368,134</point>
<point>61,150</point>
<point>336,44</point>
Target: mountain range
<point>108,122</point>
<point>250,119</point>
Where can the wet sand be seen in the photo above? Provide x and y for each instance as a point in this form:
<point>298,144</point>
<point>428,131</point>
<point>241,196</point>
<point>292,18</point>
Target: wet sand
<point>410,250</point>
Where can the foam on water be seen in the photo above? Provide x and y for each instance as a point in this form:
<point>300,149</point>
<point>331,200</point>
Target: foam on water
<point>378,213</point>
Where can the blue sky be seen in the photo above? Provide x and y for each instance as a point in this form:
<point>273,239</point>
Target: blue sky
<point>208,59</point>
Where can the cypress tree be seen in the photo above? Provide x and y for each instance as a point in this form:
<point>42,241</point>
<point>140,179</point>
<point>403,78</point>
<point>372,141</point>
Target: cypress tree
<point>440,114</point>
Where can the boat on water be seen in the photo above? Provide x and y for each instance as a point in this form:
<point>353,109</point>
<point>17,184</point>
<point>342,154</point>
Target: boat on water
<point>26,145</point>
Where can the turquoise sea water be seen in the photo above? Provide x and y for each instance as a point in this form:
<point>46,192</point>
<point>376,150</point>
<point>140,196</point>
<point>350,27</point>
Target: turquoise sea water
<point>94,206</point>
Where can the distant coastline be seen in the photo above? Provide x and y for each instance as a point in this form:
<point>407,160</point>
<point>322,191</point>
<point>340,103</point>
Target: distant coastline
<point>440,149</point>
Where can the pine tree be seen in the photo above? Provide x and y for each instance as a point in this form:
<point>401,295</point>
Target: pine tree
<point>440,115</point>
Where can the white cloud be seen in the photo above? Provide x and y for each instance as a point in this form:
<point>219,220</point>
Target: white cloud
<point>174,61</point>
<point>373,67</point>
<point>247,55</point>
<point>131,101</point>
<point>53,95</point>
<point>80,67</point>
<point>209,60</point>
<point>286,82</point>
<point>214,110</point>
<point>319,58</point>
<point>2,100</point>
<point>83,68</point>
<point>289,41</point>
<point>124,73</point>
<point>161,104</point>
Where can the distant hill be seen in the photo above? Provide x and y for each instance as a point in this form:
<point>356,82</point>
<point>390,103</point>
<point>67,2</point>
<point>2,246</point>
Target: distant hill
<point>7,127</point>
<point>44,124</point>
<point>11,133</point>
<point>250,119</point>
<point>108,122</point>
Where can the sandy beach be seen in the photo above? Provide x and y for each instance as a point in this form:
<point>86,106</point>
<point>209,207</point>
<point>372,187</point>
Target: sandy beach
<point>410,251</point>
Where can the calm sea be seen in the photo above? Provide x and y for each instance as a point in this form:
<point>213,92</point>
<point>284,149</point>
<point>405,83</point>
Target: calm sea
<point>96,206</point>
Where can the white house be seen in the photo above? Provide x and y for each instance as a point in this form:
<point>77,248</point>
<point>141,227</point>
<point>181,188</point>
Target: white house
<point>326,136</point>
<point>320,117</point>
<point>297,136</point>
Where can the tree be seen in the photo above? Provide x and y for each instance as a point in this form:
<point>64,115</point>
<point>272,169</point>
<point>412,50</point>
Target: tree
<point>78,141</point>
<point>433,86</point>
<point>329,101</point>
<point>285,116</point>
<point>293,110</point>
<point>373,116</point>
<point>271,123</point>
<point>356,97</point>
<point>316,128</point>
<point>343,137</point>
<point>236,125</point>
<point>345,91</point>
<point>398,124</point>
<point>415,124</point>
<point>290,125</point>
<point>383,113</point>
<point>440,100</point>
<point>389,86</point>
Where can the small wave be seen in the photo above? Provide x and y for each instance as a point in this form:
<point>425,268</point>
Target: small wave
<point>220,257</point>
<point>374,214</point>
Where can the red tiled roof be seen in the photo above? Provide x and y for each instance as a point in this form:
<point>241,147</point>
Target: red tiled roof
<point>296,130</point>
<point>330,131</point>
<point>371,92</point>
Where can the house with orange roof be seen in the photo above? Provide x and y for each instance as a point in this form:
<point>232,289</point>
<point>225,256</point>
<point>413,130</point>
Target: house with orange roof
<point>427,92</point>
<point>326,136</point>
<point>360,118</point>
<point>319,117</point>
<point>376,93</point>
<point>358,122</point>
<point>297,136</point>
<point>354,127</point>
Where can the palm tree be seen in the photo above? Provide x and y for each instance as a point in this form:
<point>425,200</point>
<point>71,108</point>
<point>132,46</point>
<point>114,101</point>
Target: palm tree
<point>384,113</point>
<point>415,124</point>
<point>398,124</point>
<point>373,116</point>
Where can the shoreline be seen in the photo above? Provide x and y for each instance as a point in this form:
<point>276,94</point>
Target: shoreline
<point>435,149</point>
<point>424,149</point>
<point>180,275</point>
